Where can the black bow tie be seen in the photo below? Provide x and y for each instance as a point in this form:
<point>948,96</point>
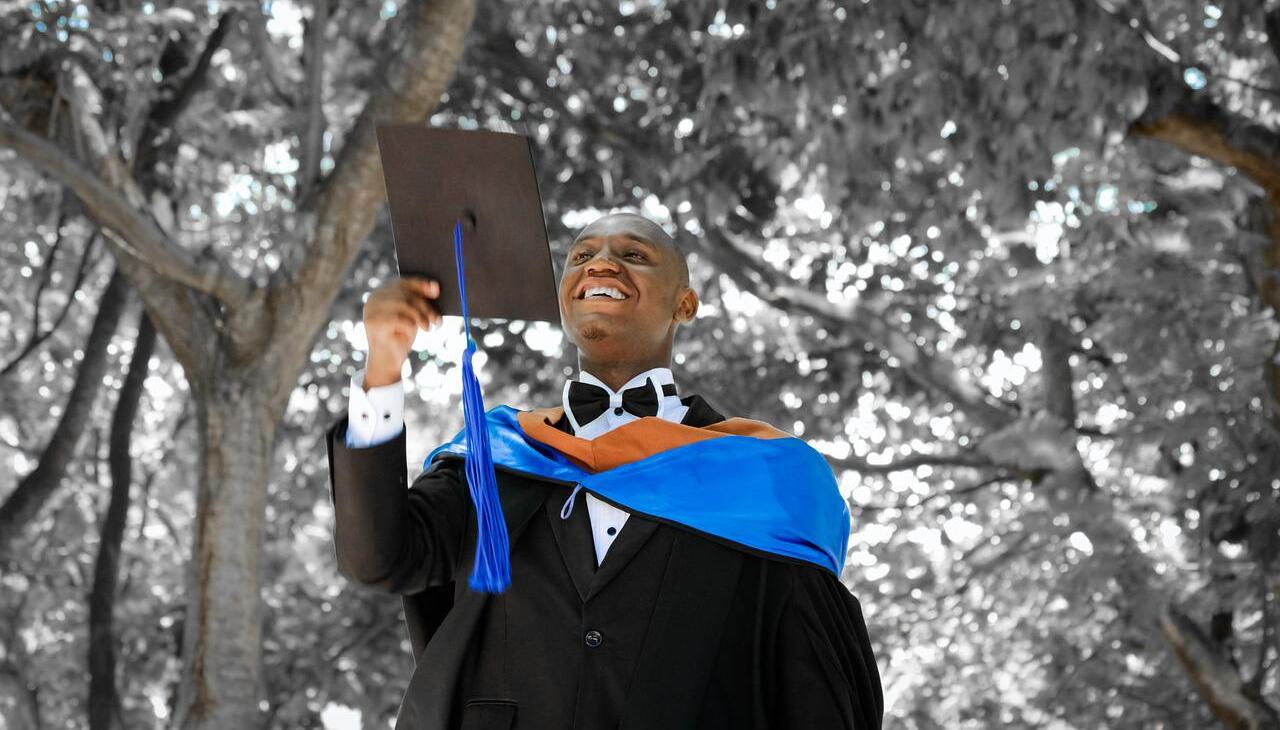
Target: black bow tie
<point>588,402</point>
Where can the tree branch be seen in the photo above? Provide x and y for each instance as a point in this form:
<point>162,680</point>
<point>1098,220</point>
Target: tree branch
<point>103,699</point>
<point>906,503</point>
<point>1272,23</point>
<point>313,138</point>
<point>347,200</point>
<point>1214,676</point>
<point>176,97</point>
<point>1196,125</point>
<point>21,506</point>
<point>136,234</point>
<point>868,326</point>
<point>36,336</point>
<point>268,61</point>
<point>862,466</point>
<point>1192,122</point>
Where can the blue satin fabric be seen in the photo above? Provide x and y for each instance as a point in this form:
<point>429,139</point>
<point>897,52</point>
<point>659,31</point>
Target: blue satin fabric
<point>778,496</point>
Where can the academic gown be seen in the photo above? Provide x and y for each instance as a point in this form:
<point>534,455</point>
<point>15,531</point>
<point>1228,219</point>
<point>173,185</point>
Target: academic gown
<point>733,637</point>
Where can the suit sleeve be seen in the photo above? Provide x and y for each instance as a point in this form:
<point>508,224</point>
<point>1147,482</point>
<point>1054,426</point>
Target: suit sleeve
<point>826,670</point>
<point>386,536</point>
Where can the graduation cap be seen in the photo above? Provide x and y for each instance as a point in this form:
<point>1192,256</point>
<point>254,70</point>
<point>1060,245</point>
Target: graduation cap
<point>437,178</point>
<point>467,200</point>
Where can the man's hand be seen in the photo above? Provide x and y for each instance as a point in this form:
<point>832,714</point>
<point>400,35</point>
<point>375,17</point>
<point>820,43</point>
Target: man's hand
<point>393,313</point>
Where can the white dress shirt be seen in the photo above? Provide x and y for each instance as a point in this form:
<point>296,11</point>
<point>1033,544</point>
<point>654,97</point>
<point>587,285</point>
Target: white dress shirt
<point>377,415</point>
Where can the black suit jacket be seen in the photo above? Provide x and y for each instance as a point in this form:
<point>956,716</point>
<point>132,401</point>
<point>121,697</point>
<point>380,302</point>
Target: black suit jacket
<point>737,639</point>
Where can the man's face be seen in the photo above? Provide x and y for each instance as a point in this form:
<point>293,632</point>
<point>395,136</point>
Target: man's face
<point>623,290</point>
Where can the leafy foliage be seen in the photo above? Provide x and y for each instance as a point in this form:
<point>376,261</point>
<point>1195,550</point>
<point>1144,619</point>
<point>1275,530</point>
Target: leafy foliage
<point>889,206</point>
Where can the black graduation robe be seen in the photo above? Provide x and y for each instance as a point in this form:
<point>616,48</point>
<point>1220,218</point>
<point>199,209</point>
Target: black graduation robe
<point>732,638</point>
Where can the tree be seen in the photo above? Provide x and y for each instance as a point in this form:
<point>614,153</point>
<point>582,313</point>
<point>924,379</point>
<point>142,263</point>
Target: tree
<point>242,338</point>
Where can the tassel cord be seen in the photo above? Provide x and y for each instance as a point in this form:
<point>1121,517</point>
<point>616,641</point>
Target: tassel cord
<point>492,570</point>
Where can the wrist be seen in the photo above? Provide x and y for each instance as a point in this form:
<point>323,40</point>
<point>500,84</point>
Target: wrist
<point>380,373</point>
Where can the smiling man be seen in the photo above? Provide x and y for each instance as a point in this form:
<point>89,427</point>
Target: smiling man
<point>698,589</point>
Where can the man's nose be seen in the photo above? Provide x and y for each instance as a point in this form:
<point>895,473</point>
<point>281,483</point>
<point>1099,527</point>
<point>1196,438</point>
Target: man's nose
<point>602,260</point>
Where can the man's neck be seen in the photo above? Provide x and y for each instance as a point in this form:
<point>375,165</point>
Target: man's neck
<point>615,375</point>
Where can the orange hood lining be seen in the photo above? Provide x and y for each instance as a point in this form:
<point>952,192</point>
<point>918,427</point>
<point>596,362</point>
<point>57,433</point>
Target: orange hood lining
<point>632,441</point>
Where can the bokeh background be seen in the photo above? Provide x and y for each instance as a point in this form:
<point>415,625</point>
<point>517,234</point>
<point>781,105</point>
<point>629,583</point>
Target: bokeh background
<point>1012,265</point>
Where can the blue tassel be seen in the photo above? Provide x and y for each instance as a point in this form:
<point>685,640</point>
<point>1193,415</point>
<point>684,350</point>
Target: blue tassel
<point>492,570</point>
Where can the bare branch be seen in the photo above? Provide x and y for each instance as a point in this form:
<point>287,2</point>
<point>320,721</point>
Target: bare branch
<point>137,235</point>
<point>862,466</point>
<point>36,336</point>
<point>908,503</point>
<point>313,137</point>
<point>347,200</point>
<point>1272,22</point>
<point>1056,346</point>
<point>866,325</point>
<point>34,489</point>
<point>268,62</point>
<point>103,699</point>
<point>176,97</point>
<point>1215,676</point>
<point>1192,122</point>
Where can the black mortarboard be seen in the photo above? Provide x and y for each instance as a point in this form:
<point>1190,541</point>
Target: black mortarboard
<point>467,202</point>
<point>438,177</point>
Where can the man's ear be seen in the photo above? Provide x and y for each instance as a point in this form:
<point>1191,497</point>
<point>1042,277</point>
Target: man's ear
<point>686,306</point>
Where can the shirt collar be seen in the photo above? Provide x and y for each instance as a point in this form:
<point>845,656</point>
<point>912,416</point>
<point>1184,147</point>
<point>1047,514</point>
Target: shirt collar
<point>662,376</point>
<point>670,407</point>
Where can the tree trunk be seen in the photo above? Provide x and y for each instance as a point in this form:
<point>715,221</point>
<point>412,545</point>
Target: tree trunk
<point>221,678</point>
<point>106,573</point>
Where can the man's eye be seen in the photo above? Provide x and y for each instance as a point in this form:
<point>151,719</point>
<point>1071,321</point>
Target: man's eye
<point>636,254</point>
<point>578,256</point>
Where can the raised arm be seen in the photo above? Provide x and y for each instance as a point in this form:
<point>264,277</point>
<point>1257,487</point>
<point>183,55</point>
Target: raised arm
<point>387,536</point>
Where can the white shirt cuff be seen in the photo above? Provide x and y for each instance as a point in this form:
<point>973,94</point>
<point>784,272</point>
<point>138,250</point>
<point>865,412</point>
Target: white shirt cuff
<point>374,416</point>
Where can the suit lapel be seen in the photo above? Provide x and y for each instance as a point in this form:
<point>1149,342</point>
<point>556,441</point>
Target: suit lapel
<point>634,534</point>
<point>573,537</point>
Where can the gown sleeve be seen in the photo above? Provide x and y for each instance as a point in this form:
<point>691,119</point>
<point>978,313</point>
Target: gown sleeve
<point>826,674</point>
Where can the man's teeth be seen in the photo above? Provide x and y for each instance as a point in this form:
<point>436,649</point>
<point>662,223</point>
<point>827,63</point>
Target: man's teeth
<point>607,291</point>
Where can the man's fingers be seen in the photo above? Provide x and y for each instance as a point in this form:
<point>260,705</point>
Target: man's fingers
<point>426,287</point>
<point>426,313</point>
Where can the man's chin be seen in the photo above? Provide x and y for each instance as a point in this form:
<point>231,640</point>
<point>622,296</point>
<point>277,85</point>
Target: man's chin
<point>593,332</point>
<point>598,326</point>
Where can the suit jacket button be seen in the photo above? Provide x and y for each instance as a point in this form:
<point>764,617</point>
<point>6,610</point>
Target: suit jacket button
<point>594,638</point>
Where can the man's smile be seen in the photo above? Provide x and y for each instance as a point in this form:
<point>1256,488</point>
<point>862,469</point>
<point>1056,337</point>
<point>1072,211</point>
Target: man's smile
<point>601,290</point>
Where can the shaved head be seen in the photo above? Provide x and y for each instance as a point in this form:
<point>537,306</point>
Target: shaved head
<point>624,291</point>
<point>637,226</point>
